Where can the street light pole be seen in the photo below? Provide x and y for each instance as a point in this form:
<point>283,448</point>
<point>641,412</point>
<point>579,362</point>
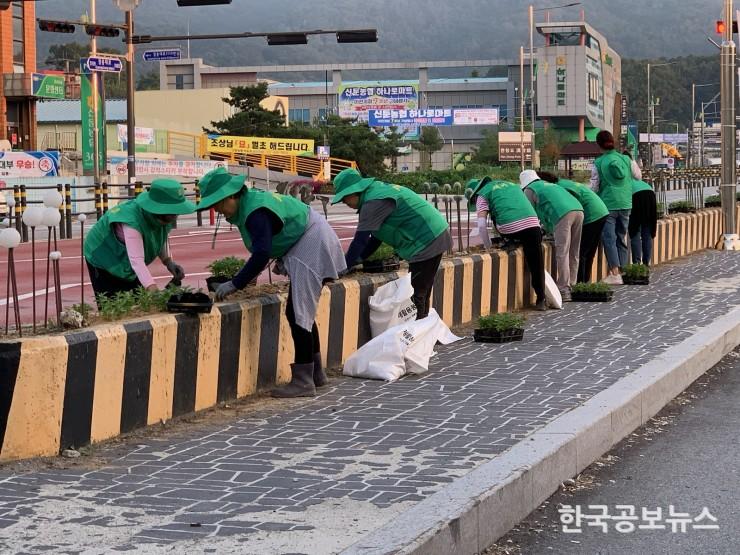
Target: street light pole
<point>96,109</point>
<point>728,187</point>
<point>531,74</point>
<point>130,114</point>
<point>521,105</point>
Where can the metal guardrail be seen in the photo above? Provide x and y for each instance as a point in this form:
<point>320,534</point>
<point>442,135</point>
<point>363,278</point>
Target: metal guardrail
<point>692,181</point>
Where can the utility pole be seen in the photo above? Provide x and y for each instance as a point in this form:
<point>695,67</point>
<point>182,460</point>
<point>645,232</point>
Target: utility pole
<point>130,114</point>
<point>521,103</point>
<point>728,188</point>
<point>96,109</point>
<point>531,74</point>
<point>649,119</point>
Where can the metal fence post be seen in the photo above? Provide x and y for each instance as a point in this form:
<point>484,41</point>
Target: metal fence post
<point>105,197</point>
<point>98,201</point>
<point>68,208</point>
<point>198,213</point>
<point>24,227</point>
<point>62,213</point>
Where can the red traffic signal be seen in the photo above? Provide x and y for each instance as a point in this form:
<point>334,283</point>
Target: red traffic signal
<point>55,26</point>
<point>101,31</point>
<point>720,27</point>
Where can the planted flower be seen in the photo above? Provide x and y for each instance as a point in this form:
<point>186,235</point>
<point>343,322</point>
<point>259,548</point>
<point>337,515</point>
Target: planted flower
<point>384,259</point>
<point>223,270</point>
<point>592,292</point>
<point>500,328</point>
<point>636,274</point>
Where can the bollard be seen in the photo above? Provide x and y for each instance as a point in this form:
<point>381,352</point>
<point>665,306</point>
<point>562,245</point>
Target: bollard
<point>17,207</point>
<point>105,197</point>
<point>98,201</point>
<point>62,213</point>
<point>212,216</point>
<point>24,230</point>
<point>68,208</point>
<point>198,214</point>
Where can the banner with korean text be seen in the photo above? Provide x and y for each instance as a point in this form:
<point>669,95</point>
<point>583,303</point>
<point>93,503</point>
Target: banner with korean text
<point>357,99</point>
<point>29,164</point>
<point>227,144</point>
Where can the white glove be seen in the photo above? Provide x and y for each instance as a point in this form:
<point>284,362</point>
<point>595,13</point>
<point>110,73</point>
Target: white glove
<point>483,232</point>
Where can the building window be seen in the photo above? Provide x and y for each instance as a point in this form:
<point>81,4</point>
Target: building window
<point>322,114</point>
<point>593,89</point>
<point>299,115</point>
<point>18,37</point>
<point>179,82</point>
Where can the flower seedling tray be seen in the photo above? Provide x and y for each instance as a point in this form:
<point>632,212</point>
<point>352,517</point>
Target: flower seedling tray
<point>495,336</point>
<point>190,303</point>
<point>592,296</point>
<point>380,266</point>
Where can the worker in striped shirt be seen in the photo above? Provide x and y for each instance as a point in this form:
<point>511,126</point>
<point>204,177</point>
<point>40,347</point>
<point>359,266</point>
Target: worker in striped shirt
<point>514,218</point>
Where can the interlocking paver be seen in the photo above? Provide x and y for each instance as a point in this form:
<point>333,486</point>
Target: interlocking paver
<point>315,477</point>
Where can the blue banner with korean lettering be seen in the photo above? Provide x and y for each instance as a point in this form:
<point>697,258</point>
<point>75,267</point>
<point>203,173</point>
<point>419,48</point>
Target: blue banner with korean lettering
<point>386,118</point>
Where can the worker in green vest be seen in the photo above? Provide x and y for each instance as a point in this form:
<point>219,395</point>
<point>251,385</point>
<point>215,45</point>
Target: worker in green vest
<point>594,218</point>
<point>611,179</point>
<point>274,226</point>
<point>643,224</point>
<point>515,219</point>
<point>562,216</point>
<point>399,217</point>
<point>131,235</point>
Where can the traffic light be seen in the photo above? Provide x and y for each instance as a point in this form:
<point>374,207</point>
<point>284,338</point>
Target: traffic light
<point>720,27</point>
<point>187,3</point>
<point>55,26</point>
<point>363,35</point>
<point>285,39</point>
<point>101,31</point>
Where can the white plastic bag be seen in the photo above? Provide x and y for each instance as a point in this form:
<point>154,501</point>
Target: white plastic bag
<point>552,293</point>
<point>403,348</point>
<point>392,305</point>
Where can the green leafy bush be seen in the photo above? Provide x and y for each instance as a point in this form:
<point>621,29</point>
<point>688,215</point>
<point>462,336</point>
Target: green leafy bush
<point>503,321</point>
<point>598,287</point>
<point>384,252</point>
<point>680,206</point>
<point>226,267</point>
<point>713,200</point>
<point>636,271</point>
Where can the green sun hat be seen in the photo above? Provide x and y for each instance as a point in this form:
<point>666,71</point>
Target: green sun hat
<point>475,185</point>
<point>165,196</point>
<point>349,182</point>
<point>217,185</point>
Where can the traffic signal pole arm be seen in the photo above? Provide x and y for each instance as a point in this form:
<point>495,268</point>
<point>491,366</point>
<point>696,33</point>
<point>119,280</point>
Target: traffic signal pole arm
<point>343,35</point>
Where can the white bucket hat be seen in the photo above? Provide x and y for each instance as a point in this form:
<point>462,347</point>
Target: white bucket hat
<point>526,177</point>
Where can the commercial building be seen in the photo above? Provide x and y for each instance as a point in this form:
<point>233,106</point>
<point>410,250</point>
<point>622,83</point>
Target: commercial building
<point>579,80</point>
<point>17,67</point>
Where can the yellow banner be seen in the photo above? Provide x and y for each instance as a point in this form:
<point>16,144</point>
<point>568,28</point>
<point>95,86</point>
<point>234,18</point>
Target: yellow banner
<point>226,144</point>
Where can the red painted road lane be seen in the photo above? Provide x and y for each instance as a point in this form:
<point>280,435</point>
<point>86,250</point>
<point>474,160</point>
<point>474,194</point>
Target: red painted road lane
<point>190,247</point>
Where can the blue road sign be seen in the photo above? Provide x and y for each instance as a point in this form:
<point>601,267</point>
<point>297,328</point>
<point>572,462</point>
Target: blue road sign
<point>106,64</point>
<point>162,54</point>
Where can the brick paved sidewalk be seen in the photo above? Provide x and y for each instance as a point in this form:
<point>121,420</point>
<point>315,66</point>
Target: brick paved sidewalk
<point>317,476</point>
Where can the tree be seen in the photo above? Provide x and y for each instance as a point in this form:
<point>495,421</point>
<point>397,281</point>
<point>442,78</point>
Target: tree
<point>393,140</point>
<point>429,142</point>
<point>550,142</point>
<point>250,118</point>
<point>487,151</point>
<point>148,82</point>
<point>66,57</point>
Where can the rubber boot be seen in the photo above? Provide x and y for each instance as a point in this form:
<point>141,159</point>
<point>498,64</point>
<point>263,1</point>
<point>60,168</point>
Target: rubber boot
<point>319,376</point>
<point>301,383</point>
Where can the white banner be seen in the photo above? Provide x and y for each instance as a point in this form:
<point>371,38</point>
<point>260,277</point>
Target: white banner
<point>144,135</point>
<point>29,164</point>
<point>180,168</point>
<point>475,116</point>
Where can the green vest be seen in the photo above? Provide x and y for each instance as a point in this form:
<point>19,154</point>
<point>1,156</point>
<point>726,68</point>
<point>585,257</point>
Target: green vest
<point>506,202</point>
<point>553,203</point>
<point>292,213</point>
<point>412,226</point>
<point>593,207</point>
<point>103,249</point>
<point>615,180</point>
<point>638,186</point>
